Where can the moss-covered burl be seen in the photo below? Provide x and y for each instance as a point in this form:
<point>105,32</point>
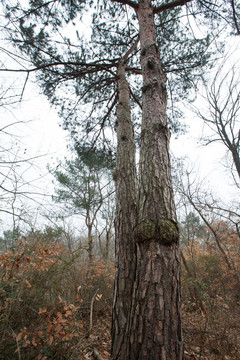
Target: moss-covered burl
<point>165,231</point>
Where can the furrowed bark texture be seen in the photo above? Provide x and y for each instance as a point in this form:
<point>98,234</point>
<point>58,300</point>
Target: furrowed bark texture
<point>155,322</point>
<point>125,180</point>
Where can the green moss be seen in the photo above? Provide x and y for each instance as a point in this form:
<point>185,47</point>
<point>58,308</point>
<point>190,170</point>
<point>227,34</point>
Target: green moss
<point>165,231</point>
<point>146,230</point>
<point>168,232</point>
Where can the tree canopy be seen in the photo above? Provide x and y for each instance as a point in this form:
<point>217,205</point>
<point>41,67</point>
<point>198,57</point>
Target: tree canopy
<point>76,64</point>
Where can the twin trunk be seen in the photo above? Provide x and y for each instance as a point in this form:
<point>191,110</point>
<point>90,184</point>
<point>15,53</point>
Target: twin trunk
<point>146,310</point>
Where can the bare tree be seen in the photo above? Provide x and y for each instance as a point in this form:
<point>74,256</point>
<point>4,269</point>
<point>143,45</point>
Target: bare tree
<point>19,169</point>
<point>211,211</point>
<point>222,99</point>
<point>21,172</point>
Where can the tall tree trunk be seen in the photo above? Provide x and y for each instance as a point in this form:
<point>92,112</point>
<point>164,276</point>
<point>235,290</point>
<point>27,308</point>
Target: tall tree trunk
<point>155,323</point>
<point>125,179</point>
<point>90,244</point>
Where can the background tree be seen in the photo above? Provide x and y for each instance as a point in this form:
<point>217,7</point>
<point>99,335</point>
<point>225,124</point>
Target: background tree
<point>223,113</point>
<point>193,234</point>
<point>106,234</point>
<point>212,212</point>
<point>21,175</point>
<point>19,171</point>
<point>82,185</point>
<point>191,229</point>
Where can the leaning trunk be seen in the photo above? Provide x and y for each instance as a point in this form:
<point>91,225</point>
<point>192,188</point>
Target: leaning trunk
<point>125,179</point>
<point>155,323</point>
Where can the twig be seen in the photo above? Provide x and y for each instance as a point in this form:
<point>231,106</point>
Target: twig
<point>96,355</point>
<point>91,310</point>
<point>18,350</point>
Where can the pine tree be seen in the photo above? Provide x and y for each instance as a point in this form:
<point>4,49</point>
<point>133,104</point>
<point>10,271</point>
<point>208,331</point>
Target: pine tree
<point>143,38</point>
<point>81,184</point>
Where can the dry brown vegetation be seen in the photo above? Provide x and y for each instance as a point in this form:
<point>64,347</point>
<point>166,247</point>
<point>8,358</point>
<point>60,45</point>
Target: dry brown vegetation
<point>50,302</point>
<point>211,297</point>
<point>53,305</point>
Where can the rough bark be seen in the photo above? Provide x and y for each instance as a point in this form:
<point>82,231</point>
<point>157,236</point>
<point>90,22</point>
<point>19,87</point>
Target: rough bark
<point>125,180</point>
<point>155,321</point>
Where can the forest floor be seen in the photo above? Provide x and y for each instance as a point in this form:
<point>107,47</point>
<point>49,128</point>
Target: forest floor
<point>204,337</point>
<point>36,323</point>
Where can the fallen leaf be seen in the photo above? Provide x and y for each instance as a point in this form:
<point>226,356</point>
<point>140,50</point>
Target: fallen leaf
<point>27,284</point>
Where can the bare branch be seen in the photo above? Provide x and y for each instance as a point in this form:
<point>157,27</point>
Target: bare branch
<point>24,86</point>
<point>222,111</point>
<point>22,161</point>
<point>132,48</point>
<point>95,65</point>
<point>133,70</point>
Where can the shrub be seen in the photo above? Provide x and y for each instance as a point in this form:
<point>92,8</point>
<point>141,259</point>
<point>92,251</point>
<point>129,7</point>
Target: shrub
<point>43,314</point>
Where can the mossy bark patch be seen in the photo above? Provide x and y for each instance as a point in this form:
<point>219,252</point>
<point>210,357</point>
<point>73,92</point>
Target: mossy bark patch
<point>164,231</point>
<point>146,230</point>
<point>168,232</point>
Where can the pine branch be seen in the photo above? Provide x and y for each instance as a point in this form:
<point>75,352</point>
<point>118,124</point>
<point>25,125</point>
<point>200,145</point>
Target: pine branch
<point>133,70</point>
<point>95,67</point>
<point>127,2</point>
<point>171,5</point>
<point>132,48</point>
